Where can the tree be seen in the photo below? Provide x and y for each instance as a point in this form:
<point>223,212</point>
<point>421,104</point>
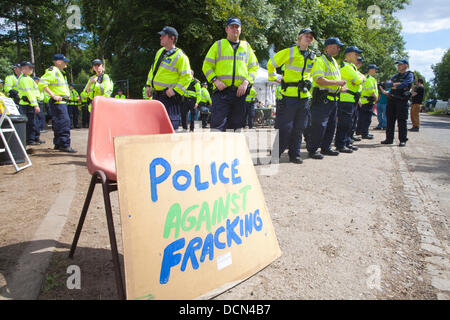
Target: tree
<point>442,76</point>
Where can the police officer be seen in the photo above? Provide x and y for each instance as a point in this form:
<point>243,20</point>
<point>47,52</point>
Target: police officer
<point>40,117</point>
<point>120,95</point>
<point>74,101</point>
<point>28,104</point>
<point>397,107</point>
<point>231,66</point>
<point>349,99</point>
<point>250,108</point>
<point>100,84</point>
<point>144,94</point>
<point>10,87</point>
<point>191,101</point>
<point>170,75</point>
<point>327,84</point>
<point>205,105</point>
<point>369,97</point>
<point>353,137</point>
<point>296,84</point>
<point>85,115</point>
<point>54,82</point>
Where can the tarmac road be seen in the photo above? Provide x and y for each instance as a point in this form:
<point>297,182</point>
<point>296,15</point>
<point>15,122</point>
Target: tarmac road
<point>368,225</point>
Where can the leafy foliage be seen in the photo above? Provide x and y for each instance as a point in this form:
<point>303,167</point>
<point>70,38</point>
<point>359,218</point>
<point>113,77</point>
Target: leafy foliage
<point>124,32</point>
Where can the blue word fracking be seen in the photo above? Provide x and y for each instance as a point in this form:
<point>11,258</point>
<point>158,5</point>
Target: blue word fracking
<point>223,231</point>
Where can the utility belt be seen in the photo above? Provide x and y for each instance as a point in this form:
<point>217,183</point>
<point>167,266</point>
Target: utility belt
<point>162,93</point>
<point>64,99</point>
<point>322,96</point>
<point>233,89</point>
<point>404,97</point>
<point>370,99</point>
<point>356,95</point>
<point>302,85</point>
<point>189,98</point>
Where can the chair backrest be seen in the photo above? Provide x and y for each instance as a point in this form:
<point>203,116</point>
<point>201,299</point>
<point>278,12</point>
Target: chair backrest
<point>117,117</point>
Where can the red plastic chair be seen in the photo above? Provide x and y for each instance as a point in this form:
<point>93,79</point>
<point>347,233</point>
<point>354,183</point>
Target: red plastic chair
<point>111,118</point>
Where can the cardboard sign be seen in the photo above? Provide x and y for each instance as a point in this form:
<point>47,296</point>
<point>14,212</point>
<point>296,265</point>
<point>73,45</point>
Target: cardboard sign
<point>194,219</point>
<point>9,105</point>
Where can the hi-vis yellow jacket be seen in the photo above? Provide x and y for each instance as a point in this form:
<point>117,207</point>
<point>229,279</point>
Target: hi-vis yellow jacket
<point>230,66</point>
<point>29,89</point>
<point>326,67</point>
<point>294,66</point>
<point>173,72</point>
<point>354,79</point>
<point>56,81</point>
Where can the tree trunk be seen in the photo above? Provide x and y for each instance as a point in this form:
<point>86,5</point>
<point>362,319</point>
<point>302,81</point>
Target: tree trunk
<point>30,46</point>
<point>17,36</point>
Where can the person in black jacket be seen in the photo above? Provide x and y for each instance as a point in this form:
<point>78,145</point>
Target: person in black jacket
<point>417,96</point>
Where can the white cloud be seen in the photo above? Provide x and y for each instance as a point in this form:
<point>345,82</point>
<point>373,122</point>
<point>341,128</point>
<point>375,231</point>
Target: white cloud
<point>425,16</point>
<point>421,60</point>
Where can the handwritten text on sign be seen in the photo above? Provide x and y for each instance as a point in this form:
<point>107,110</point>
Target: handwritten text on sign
<point>207,214</point>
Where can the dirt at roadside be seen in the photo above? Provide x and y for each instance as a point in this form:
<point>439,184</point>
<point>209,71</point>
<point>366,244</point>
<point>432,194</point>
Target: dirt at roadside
<point>338,221</point>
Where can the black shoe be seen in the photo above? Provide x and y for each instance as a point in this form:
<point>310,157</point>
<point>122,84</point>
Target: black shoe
<point>329,152</point>
<point>356,139</point>
<point>384,128</point>
<point>297,160</point>
<point>414,129</point>
<point>56,147</point>
<point>386,142</point>
<point>316,155</point>
<point>367,136</point>
<point>402,144</point>
<point>345,150</point>
<point>354,148</point>
<point>377,128</point>
<point>33,143</point>
<point>67,149</point>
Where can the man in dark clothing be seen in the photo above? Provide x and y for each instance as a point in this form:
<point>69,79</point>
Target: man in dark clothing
<point>397,107</point>
<point>418,93</point>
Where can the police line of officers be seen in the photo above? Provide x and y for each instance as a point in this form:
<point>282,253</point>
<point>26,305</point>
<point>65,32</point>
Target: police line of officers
<point>316,97</point>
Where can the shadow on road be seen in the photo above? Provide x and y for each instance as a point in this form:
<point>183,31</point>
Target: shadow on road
<point>97,272</point>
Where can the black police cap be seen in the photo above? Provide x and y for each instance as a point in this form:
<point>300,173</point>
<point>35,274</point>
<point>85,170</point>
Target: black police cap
<point>26,64</point>
<point>96,62</point>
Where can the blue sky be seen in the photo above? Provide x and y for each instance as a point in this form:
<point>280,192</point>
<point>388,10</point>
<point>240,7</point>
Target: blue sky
<point>426,31</point>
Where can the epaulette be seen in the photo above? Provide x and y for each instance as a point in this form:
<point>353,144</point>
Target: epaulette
<point>50,69</point>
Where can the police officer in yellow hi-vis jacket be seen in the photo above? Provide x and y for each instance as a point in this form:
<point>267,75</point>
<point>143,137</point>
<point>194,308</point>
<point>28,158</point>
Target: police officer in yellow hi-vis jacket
<point>327,84</point>
<point>11,82</point>
<point>349,100</point>
<point>120,94</point>
<point>54,82</point>
<point>191,101</point>
<point>74,101</point>
<point>369,97</point>
<point>29,104</point>
<point>170,75</point>
<point>99,84</point>
<point>231,65</point>
<point>293,109</point>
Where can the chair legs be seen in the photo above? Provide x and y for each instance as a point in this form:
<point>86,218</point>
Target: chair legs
<point>108,187</point>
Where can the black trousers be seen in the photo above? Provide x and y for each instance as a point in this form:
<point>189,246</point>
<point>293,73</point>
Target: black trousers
<point>397,111</point>
<point>228,110</point>
<point>188,106</point>
<point>172,105</point>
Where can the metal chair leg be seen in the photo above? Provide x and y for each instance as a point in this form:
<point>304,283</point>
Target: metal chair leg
<point>87,202</point>
<point>112,236</point>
